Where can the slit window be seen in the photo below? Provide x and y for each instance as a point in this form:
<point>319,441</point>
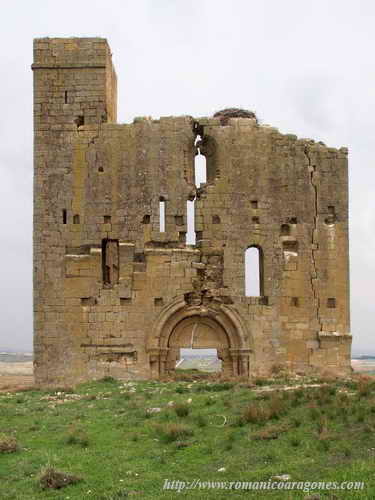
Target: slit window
<point>64,216</point>
<point>331,303</point>
<point>66,97</point>
<point>294,302</point>
<point>162,204</point>
<point>254,272</point>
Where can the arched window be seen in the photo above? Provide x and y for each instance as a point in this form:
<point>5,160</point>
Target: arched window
<point>254,272</point>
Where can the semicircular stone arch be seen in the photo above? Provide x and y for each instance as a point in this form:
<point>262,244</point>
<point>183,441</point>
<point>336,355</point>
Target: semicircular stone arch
<point>181,325</point>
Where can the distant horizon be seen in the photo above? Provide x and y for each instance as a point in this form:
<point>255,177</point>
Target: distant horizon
<point>184,352</point>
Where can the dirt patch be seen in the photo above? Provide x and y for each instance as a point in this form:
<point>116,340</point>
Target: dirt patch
<point>25,368</point>
<point>14,383</point>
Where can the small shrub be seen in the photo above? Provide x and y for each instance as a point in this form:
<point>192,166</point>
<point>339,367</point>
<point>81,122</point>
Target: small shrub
<point>364,388</point>
<point>271,432</point>
<point>180,389</point>
<point>367,429</point>
<point>174,432</point>
<point>108,380</point>
<point>277,406</point>
<point>314,413</point>
<point>181,444</point>
<point>78,437</point>
<point>295,442</point>
<point>228,446</point>
<point>360,418</point>
<point>228,403</point>
<point>324,444</point>
<point>296,422</point>
<point>53,479</point>
<point>215,387</point>
<point>347,452</point>
<point>260,381</point>
<point>8,444</point>
<point>182,409</point>
<point>270,458</point>
<point>255,414</point>
<point>239,421</point>
<point>201,421</point>
<point>209,401</point>
<point>343,398</point>
<point>322,426</point>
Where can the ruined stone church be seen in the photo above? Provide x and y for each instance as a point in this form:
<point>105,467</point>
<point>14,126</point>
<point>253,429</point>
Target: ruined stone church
<point>119,290</point>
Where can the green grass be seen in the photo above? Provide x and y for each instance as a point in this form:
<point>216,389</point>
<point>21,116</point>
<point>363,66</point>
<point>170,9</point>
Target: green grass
<point>103,434</point>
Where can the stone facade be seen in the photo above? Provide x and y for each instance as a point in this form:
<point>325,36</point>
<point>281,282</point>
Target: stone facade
<point>115,295</point>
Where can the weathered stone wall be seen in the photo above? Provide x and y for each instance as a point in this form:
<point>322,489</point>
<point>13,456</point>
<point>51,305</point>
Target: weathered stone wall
<point>112,291</point>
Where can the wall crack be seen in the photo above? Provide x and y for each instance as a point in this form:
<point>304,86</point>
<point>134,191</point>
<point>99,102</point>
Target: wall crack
<point>314,237</point>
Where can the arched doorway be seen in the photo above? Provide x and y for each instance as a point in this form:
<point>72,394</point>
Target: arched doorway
<point>215,326</point>
<point>198,332</point>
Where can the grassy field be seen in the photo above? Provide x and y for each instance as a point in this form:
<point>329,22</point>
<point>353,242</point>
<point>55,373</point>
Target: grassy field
<point>115,440</point>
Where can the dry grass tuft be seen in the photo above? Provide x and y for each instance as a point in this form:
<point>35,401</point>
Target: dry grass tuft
<point>8,444</point>
<point>52,479</point>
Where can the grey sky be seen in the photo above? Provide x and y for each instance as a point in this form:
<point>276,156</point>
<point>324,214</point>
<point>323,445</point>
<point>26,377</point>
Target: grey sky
<point>305,67</point>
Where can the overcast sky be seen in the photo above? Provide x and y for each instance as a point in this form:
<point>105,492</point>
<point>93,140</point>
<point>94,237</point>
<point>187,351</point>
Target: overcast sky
<point>306,67</point>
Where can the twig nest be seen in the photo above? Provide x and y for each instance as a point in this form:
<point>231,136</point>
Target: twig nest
<point>225,114</point>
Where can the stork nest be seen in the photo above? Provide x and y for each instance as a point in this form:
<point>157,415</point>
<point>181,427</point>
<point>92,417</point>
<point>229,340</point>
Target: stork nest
<point>225,114</point>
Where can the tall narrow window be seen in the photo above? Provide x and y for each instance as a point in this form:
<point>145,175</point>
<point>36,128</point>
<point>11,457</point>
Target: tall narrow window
<point>254,272</point>
<point>190,235</point>
<point>64,216</point>
<point>66,97</point>
<point>200,170</point>
<point>162,214</point>
<point>110,262</point>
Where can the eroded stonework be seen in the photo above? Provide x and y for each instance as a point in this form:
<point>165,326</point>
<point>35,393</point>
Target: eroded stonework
<point>115,295</point>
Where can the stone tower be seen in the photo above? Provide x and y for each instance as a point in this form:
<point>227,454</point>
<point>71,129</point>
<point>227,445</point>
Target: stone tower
<point>117,291</point>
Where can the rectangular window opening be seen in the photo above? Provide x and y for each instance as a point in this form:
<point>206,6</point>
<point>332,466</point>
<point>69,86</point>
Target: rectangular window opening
<point>66,97</point>
<point>190,235</point>
<point>203,360</point>
<point>331,303</point>
<point>294,302</point>
<point>110,262</point>
<point>162,204</point>
<point>64,216</point>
